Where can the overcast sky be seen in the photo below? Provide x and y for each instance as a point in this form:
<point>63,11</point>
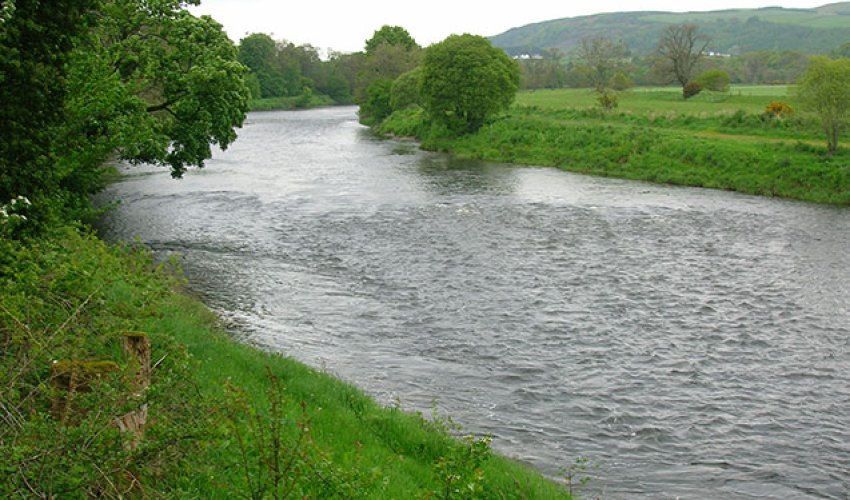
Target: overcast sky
<point>345,25</point>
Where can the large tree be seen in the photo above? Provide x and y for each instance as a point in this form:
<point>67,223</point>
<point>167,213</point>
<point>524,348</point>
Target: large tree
<point>143,79</point>
<point>681,47</point>
<point>824,89</point>
<point>465,80</point>
<point>173,76</point>
<point>602,57</point>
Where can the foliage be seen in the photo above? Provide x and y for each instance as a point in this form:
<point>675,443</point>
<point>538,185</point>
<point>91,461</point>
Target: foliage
<point>824,91</point>
<point>543,73</point>
<point>377,105</point>
<point>386,62</point>
<point>620,82</point>
<point>275,75</point>
<point>715,80</point>
<point>779,109</point>
<point>680,47</point>
<point>691,89</point>
<point>465,80</point>
<point>406,90</point>
<point>390,35</point>
<point>36,40</point>
<point>607,100</point>
<point>602,57</point>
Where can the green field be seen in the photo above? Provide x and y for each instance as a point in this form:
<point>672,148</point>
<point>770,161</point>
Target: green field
<point>749,98</point>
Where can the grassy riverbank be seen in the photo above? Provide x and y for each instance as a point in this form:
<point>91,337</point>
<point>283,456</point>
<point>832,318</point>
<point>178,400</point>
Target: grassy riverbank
<point>224,420</point>
<point>722,141</point>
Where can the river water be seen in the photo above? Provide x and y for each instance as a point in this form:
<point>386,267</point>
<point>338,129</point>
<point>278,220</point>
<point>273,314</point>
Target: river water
<point>690,343</point>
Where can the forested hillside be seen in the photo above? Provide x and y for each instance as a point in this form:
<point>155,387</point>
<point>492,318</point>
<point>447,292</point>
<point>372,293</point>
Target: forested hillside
<point>737,31</point>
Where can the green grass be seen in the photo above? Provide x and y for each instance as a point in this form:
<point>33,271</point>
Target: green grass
<point>68,296</point>
<point>646,100</point>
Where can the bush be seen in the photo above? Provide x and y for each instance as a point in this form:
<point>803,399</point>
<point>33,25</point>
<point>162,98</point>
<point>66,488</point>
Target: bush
<point>715,80</point>
<point>620,81</point>
<point>377,104</point>
<point>608,100</point>
<point>779,109</point>
<point>691,89</point>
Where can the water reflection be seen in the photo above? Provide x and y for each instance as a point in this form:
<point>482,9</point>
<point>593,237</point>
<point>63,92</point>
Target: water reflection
<point>445,175</point>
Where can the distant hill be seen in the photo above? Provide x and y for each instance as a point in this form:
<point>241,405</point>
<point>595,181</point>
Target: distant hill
<point>735,31</point>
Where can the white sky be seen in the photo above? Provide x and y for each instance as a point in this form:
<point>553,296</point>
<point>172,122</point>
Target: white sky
<point>344,25</point>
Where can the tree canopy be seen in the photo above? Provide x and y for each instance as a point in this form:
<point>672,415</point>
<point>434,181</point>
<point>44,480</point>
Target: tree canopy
<point>824,90</point>
<point>465,80</point>
<point>390,35</point>
<point>143,79</point>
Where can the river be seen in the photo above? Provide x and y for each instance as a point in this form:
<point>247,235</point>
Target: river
<point>690,343</point>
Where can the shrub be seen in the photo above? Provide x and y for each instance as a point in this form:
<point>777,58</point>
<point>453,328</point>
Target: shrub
<point>620,81</point>
<point>607,100</point>
<point>716,80</point>
<point>779,109</point>
<point>691,89</point>
<point>377,104</point>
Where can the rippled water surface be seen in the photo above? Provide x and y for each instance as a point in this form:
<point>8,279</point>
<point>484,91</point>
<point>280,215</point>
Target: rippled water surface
<point>691,343</point>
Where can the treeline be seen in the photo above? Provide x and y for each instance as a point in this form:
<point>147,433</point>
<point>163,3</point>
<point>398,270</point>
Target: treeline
<point>279,69</point>
<point>554,69</point>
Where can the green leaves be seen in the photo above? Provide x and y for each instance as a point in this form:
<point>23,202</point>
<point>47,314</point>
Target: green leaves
<point>465,80</point>
<point>824,90</point>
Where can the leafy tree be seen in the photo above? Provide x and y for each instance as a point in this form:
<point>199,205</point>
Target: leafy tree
<point>176,81</point>
<point>260,53</point>
<point>681,47</point>
<point>385,62</point>
<point>407,90</point>
<point>824,90</point>
<point>390,35</point>
<point>465,80</point>
<point>602,57</point>
<point>716,80</point>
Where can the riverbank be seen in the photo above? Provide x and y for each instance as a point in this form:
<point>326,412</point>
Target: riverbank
<point>223,419</point>
<point>306,101</point>
<point>732,144</point>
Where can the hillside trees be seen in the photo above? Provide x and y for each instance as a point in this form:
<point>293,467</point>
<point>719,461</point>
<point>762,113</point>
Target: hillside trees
<point>680,48</point>
<point>824,90</point>
<point>465,80</point>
